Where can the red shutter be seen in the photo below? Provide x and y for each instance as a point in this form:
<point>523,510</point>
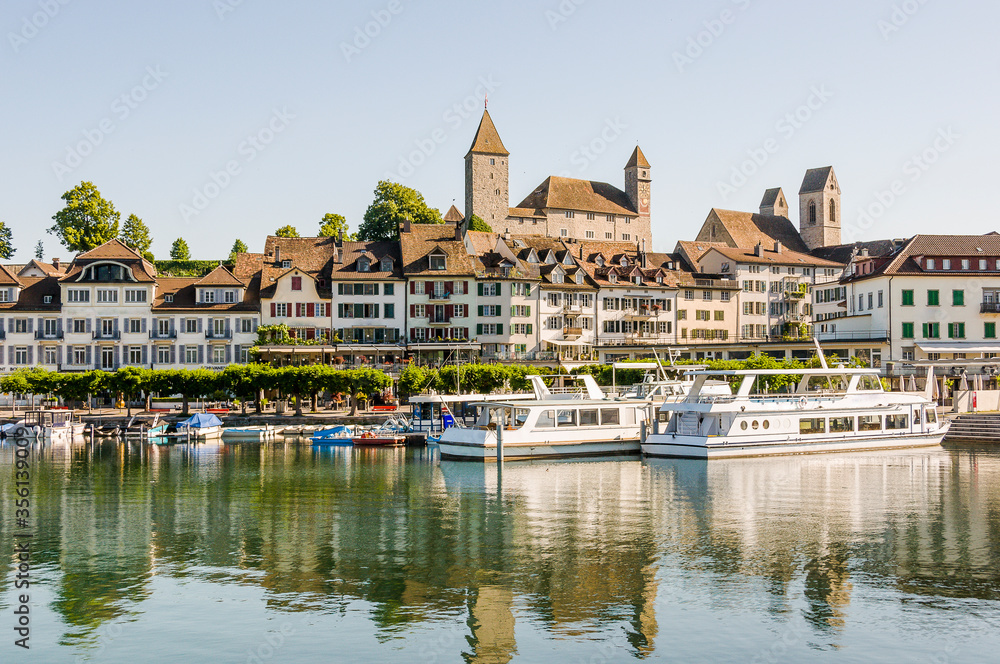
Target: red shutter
<point>413,311</point>
<point>413,288</point>
<point>449,287</point>
<point>449,311</point>
<point>310,333</point>
<point>310,310</point>
<point>413,334</point>
<point>428,288</point>
<point>274,310</point>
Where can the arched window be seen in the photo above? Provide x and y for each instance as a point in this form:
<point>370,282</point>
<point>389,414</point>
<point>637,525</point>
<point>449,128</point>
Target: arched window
<point>812,213</point>
<point>833,210</point>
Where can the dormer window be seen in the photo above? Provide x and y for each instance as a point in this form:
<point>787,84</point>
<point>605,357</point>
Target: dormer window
<point>438,262</point>
<point>579,277</point>
<point>386,265</point>
<point>624,261</point>
<point>946,264</point>
<point>600,261</point>
<point>47,299</point>
<point>637,279</point>
<point>286,264</point>
<point>930,263</point>
<point>659,280</point>
<point>557,277</point>
<point>613,278</point>
<point>363,264</point>
<point>168,298</point>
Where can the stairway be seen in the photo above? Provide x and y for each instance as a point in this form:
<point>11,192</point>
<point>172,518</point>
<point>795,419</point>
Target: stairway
<point>975,426</point>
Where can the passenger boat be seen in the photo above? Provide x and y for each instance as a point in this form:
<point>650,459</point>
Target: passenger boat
<point>53,425</point>
<point>825,410</point>
<point>549,428</point>
<point>250,434</point>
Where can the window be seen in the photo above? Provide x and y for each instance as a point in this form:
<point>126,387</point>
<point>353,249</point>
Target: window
<point>570,215</point>
<point>932,330</point>
<point>958,298</point>
<point>870,423</point>
<point>609,416</point>
<point>461,311</point>
<point>168,298</point>
<point>281,310</point>
<point>79,325</point>
<point>982,264</point>
<point>21,355</point>
<point>563,232</point>
<point>50,355</point>
<point>965,263</point>
<point>558,278</point>
<point>896,422</point>
<point>78,295</point>
<point>296,284</point>
<point>841,424</point>
<point>706,296</point>
<point>493,162</point>
<point>930,263</point>
<point>107,296</point>
<point>812,213</point>
<point>720,315</point>
<point>907,330</point>
<point>419,311</point>
<point>286,264</point>
<point>218,354</point>
<point>945,263</point>
<point>191,325</point>
<point>870,303</point>
<point>135,355</point>
<point>956,330</point>
<point>135,295</point>
<point>626,237</point>
<point>246,325</point>
<point>364,265</point>
<point>724,296</point>
<point>191,355</point>
<point>933,298</point>
<point>387,289</point>
<point>990,330</point>
<point>609,236</point>
<point>134,325</point>
<point>907,298</point>
<point>833,210</point>
<point>590,235</point>
<point>438,262</point>
<point>208,296</point>
<point>881,300</point>
<point>163,354</point>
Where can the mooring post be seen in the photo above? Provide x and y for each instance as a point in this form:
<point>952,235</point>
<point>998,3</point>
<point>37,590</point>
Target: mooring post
<point>500,427</point>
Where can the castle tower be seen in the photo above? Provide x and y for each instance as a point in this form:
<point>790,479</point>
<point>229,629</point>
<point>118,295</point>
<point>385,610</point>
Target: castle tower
<point>638,185</point>
<point>487,192</point>
<point>774,203</point>
<point>819,208</point>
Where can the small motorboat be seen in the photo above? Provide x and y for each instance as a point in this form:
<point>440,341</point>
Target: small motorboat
<point>336,436</point>
<point>379,439</point>
<point>144,429</point>
<point>200,426</point>
<point>253,434</point>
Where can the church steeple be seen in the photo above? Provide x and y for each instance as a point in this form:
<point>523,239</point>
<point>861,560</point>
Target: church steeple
<point>487,175</point>
<point>638,185</point>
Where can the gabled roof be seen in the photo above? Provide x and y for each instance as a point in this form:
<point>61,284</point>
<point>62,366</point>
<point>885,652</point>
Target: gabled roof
<point>247,265</point>
<point>454,215</point>
<point>115,251</point>
<point>771,197</point>
<point>571,194</point>
<point>346,269</point>
<point>815,180</point>
<point>183,294</point>
<point>7,278</point>
<point>771,257</point>
<point>34,290</point>
<point>111,250</point>
<point>46,268</point>
<point>487,140</point>
<point>417,245</point>
<point>843,253</point>
<point>906,259</point>
<point>746,229</point>
<point>220,276</point>
<point>638,159</point>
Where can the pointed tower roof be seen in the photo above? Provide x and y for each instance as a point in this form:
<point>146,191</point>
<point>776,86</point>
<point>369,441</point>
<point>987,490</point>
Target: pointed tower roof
<point>771,197</point>
<point>638,160</point>
<point>816,179</point>
<point>487,139</point>
<point>454,215</point>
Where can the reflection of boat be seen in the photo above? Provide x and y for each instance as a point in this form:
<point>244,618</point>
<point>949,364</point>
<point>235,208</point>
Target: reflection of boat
<point>258,434</point>
<point>107,431</point>
<point>826,410</point>
<point>550,428</point>
<point>55,425</point>
<point>201,426</point>
<point>336,436</point>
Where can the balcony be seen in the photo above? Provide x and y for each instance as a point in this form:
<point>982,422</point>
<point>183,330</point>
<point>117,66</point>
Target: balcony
<point>438,320</point>
<point>440,296</point>
<point>572,309</point>
<point>108,336</point>
<point>989,308</point>
<point>218,334</point>
<point>42,336</point>
<point>794,295</point>
<point>572,333</point>
<point>154,334</point>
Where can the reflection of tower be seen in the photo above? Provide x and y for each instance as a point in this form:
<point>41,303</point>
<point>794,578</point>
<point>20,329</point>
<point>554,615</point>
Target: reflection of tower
<point>828,589</point>
<point>492,623</point>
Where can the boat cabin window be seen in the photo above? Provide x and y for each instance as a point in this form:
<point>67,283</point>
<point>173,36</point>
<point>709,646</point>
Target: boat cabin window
<point>869,383</point>
<point>812,425</point>
<point>931,415</point>
<point>841,424</point>
<point>566,417</point>
<point>870,423</point>
<point>609,416</point>
<point>546,419</point>
<point>588,417</point>
<point>827,383</point>
<point>895,422</point>
<point>490,418</point>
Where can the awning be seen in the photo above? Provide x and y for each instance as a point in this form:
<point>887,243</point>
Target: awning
<point>958,347</point>
<point>561,342</point>
<point>445,346</point>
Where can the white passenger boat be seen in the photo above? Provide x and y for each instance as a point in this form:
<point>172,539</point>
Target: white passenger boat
<point>51,425</point>
<point>249,434</point>
<point>825,410</point>
<point>562,424</point>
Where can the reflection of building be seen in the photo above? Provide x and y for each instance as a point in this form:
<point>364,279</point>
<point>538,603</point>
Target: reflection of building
<point>491,621</point>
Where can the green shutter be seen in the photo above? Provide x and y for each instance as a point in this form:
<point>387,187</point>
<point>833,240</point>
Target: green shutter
<point>529,310</point>
<point>500,329</point>
<point>908,298</point>
<point>480,286</point>
<point>512,311</point>
<point>926,331</point>
<point>951,330</point>
<point>990,331</point>
<point>960,329</point>
<point>359,311</point>
<point>907,330</point>
<point>480,306</point>
<point>958,298</point>
<point>528,289</point>
<point>529,328</point>
<point>479,328</point>
<point>932,298</point>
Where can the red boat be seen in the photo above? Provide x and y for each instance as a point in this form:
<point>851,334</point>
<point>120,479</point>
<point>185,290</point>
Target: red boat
<point>373,439</point>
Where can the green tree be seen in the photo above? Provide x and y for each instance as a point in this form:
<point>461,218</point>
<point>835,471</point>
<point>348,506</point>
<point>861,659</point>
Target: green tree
<point>6,241</point>
<point>179,250</point>
<point>393,204</point>
<point>239,247</point>
<point>287,231</point>
<point>130,382</point>
<point>39,250</point>
<point>477,224</point>
<point>87,220</point>
<point>135,234</point>
<point>334,224</point>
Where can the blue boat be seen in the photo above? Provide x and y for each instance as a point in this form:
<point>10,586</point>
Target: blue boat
<point>336,436</point>
<point>201,426</point>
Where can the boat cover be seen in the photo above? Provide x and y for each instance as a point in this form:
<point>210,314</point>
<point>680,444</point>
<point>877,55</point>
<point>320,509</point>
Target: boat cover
<point>334,432</point>
<point>201,421</point>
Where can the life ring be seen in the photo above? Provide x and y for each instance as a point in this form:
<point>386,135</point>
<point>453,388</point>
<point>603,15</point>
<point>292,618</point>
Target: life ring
<point>803,402</point>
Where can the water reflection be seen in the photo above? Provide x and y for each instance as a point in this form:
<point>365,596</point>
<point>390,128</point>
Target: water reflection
<point>592,551</point>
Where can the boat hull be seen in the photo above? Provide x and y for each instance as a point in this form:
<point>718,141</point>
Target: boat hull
<point>463,451</point>
<point>700,447</point>
<point>249,434</point>
<point>380,441</point>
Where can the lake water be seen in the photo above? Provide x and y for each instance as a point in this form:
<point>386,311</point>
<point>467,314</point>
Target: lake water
<point>283,553</point>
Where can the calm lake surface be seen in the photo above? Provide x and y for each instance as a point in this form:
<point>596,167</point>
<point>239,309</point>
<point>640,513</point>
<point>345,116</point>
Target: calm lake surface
<point>283,553</point>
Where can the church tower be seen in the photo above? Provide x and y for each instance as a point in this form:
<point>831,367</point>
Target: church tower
<point>774,203</point>
<point>638,184</point>
<point>819,208</point>
<point>487,180</point>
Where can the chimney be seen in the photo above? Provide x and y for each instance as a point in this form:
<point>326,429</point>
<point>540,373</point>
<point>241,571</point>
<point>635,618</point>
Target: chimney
<point>458,231</point>
<point>340,237</point>
<point>506,234</point>
<point>277,254</point>
<point>777,247</point>
<point>406,225</point>
<point>758,250</point>
<point>864,252</point>
<point>55,263</point>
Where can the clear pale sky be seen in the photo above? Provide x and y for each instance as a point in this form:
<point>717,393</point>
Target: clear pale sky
<point>162,95</point>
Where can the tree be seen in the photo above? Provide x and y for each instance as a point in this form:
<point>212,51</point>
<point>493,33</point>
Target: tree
<point>6,241</point>
<point>333,225</point>
<point>239,247</point>
<point>287,231</point>
<point>39,250</point>
<point>135,234</point>
<point>87,221</point>
<point>477,224</point>
<point>393,204</point>
<point>179,250</point>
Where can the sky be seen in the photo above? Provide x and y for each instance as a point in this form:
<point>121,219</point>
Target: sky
<point>221,119</point>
